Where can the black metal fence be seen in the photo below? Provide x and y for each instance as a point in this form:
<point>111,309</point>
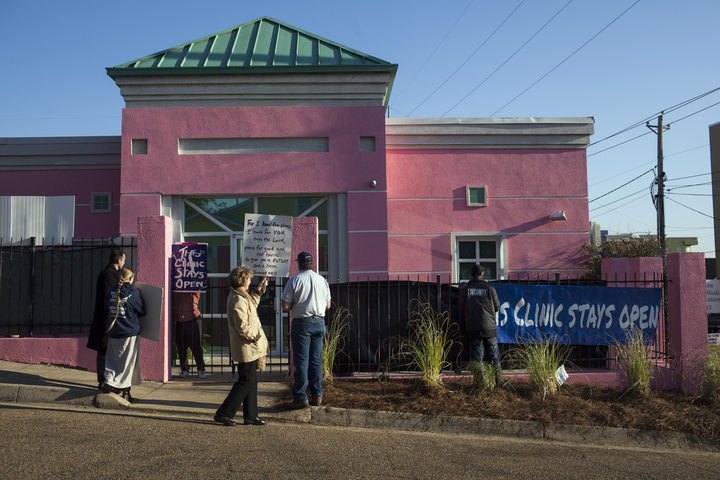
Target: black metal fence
<point>50,289</point>
<point>380,310</point>
<point>215,334</point>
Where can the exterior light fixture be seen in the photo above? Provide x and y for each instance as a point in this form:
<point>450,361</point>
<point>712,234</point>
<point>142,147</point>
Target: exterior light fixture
<point>373,183</point>
<point>556,217</point>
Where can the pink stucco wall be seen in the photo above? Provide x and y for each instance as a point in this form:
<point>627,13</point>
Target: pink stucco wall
<point>79,183</point>
<point>69,350</point>
<point>687,304</point>
<point>426,203</point>
<point>153,254</point>
<point>343,169</point>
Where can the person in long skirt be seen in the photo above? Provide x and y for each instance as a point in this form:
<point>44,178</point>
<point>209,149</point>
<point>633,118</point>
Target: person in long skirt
<point>123,305</point>
<point>248,347</point>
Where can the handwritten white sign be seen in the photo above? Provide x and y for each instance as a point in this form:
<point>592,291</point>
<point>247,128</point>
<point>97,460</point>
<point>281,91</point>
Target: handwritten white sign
<point>266,246</point>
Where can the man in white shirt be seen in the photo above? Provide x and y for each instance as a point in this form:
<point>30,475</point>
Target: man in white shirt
<point>306,296</point>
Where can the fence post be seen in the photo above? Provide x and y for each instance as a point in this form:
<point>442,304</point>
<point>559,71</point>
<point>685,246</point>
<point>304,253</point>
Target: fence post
<point>31,300</point>
<point>438,303</point>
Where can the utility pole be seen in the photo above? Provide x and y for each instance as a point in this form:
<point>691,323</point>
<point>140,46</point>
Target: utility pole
<point>660,196</point>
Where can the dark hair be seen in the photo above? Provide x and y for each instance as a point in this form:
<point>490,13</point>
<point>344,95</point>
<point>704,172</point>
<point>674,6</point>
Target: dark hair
<point>306,265</point>
<point>116,256</point>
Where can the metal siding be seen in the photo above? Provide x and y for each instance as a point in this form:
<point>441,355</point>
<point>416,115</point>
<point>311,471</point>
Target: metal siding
<point>197,54</point>
<point>5,220</point>
<point>243,48</point>
<point>285,48</point>
<point>219,51</point>
<point>59,220</point>
<point>264,42</point>
<point>264,45</point>
<point>28,217</point>
<point>306,51</point>
<point>327,55</point>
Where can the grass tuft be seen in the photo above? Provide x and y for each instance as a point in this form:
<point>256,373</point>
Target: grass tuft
<point>334,341</point>
<point>711,372</point>
<point>428,345</point>
<point>541,358</point>
<point>635,359</point>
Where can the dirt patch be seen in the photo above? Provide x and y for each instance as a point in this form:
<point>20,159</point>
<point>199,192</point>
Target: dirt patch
<point>668,411</point>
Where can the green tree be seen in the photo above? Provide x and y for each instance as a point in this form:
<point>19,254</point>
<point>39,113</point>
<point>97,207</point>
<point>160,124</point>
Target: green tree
<point>627,247</point>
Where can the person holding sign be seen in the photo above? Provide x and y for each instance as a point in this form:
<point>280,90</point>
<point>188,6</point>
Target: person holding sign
<point>307,294</point>
<point>124,305</point>
<point>478,304</point>
<point>248,347</point>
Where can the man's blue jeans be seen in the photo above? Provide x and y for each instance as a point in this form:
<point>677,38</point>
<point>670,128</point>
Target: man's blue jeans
<point>306,335</point>
<point>493,351</point>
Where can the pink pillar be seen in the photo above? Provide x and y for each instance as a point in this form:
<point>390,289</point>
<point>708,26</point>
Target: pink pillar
<point>304,239</point>
<point>687,317</point>
<point>153,256</point>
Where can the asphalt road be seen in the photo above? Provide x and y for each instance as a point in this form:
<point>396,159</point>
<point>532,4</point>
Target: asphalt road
<point>48,442</point>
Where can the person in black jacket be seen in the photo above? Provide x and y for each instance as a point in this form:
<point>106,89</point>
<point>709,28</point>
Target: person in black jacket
<point>97,339</point>
<point>478,304</point>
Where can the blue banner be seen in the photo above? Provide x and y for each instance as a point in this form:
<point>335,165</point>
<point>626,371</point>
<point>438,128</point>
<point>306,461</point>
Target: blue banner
<point>576,315</point>
<point>189,265</point>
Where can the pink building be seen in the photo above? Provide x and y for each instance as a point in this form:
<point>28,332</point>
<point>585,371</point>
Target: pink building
<point>266,118</point>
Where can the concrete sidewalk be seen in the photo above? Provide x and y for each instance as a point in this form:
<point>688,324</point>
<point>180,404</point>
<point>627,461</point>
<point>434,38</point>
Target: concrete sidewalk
<point>47,384</point>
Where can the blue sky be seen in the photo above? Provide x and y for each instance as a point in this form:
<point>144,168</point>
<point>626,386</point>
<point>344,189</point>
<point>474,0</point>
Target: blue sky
<point>457,58</point>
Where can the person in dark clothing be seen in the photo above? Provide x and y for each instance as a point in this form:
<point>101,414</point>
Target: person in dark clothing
<point>187,331</point>
<point>478,304</point>
<point>97,339</point>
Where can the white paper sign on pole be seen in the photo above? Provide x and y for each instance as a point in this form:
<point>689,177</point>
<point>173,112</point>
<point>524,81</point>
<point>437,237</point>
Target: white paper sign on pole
<point>266,244</point>
<point>713,296</point>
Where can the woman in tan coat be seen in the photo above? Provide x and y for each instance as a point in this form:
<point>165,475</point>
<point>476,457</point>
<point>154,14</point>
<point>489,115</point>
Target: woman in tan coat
<point>248,347</point>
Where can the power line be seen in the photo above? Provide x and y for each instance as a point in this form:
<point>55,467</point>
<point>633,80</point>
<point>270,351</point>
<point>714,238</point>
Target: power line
<point>689,208</point>
<point>468,59</point>
<point>433,52</point>
<point>617,145</point>
<point>668,110</point>
<point>618,188</point>
<point>510,58</point>
<point>566,59</point>
<point>644,190</point>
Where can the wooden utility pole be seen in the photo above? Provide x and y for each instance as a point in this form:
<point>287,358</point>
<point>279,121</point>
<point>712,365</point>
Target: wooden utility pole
<point>660,196</point>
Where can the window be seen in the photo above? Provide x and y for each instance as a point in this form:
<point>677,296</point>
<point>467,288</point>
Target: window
<point>476,195</point>
<point>139,146</point>
<point>367,144</point>
<point>486,250</point>
<point>101,202</point>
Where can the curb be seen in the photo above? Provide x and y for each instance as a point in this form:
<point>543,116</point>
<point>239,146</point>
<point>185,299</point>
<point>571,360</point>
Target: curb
<point>389,420</point>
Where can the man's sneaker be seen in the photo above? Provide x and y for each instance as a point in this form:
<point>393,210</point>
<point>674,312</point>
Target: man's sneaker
<point>316,400</point>
<point>297,405</point>
<point>184,374</point>
<point>201,373</point>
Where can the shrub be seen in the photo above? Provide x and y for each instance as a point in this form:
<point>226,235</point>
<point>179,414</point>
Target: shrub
<point>484,375</point>
<point>635,360</point>
<point>629,247</point>
<point>333,341</point>
<point>711,372</point>
<point>428,345</point>
<point>541,358</point>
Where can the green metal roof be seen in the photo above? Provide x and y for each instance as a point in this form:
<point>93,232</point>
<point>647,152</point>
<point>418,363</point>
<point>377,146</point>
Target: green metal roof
<point>264,45</point>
